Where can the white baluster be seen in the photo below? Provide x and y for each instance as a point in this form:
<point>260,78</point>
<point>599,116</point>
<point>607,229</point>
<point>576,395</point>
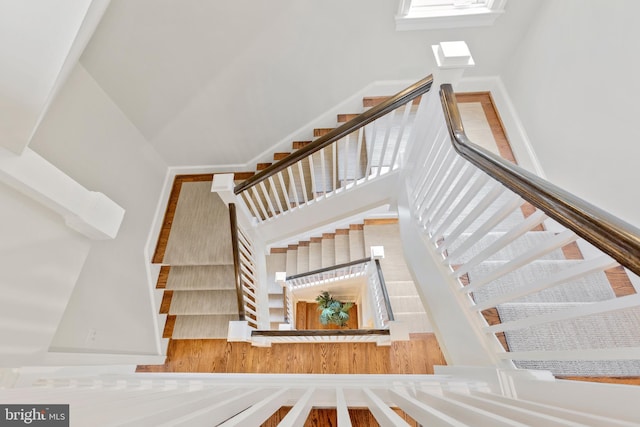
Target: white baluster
<point>465,413</point>
<point>312,173</point>
<point>613,304</point>
<point>525,226</point>
<point>303,183</point>
<point>325,178</point>
<point>334,163</point>
<point>292,186</point>
<point>572,273</point>
<point>424,196</point>
<point>285,191</point>
<point>260,411</point>
<point>563,413</point>
<point>465,174</point>
<point>361,133</point>
<point>218,411</point>
<point>254,211</point>
<point>274,190</point>
<point>267,197</point>
<point>423,413</point>
<point>387,134</point>
<point>512,412</point>
<point>512,203</point>
<point>404,125</point>
<point>381,411</point>
<point>536,252</point>
<point>436,139</point>
<point>341,408</point>
<point>469,195</point>
<point>256,196</point>
<point>446,181</point>
<point>370,148</point>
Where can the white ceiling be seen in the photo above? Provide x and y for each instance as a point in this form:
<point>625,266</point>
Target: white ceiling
<point>217,82</point>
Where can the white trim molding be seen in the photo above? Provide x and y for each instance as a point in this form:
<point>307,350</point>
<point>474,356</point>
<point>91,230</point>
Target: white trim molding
<point>429,15</point>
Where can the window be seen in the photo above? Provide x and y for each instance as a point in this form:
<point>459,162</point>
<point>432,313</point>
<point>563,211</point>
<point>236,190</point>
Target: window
<point>431,14</point>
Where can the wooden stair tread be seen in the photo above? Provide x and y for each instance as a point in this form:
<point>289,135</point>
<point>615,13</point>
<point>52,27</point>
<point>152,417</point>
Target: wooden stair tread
<point>280,156</point>
<point>343,118</point>
<point>241,176</point>
<point>300,144</point>
<point>262,166</point>
<point>321,131</point>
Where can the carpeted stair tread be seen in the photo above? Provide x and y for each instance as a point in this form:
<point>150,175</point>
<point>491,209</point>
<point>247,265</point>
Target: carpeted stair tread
<point>342,253</point>
<point>315,255</point>
<point>328,251</point>
<point>302,261</point>
<point>276,301</point>
<point>401,288</point>
<point>594,287</point>
<point>513,219</point>
<point>356,245</point>
<point>209,326</point>
<point>387,133</point>
<point>511,251</point>
<point>406,303</point>
<point>201,277</point>
<point>276,315</point>
<point>586,332</point>
<point>417,322</point>
<point>204,302</point>
<point>276,262</point>
<point>292,262</point>
<point>201,231</point>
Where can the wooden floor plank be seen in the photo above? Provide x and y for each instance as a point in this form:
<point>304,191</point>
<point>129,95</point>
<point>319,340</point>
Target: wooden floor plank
<point>417,356</point>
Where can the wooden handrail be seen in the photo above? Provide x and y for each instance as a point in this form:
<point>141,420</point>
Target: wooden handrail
<point>415,90</point>
<point>385,292</point>
<point>325,269</point>
<point>236,260</point>
<point>608,233</point>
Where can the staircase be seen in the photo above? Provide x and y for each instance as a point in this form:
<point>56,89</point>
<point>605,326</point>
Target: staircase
<point>480,249</point>
<point>199,281</point>
<point>351,244</point>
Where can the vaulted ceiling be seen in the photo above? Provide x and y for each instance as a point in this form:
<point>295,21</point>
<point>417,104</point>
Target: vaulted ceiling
<point>214,83</point>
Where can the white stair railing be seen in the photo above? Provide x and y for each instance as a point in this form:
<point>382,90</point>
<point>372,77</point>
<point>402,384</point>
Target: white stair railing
<point>379,295</point>
<point>375,306</point>
<point>235,399</point>
<point>245,272</point>
<point>361,150</point>
<point>509,259</point>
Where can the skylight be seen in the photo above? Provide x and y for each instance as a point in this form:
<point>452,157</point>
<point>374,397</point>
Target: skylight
<point>432,14</point>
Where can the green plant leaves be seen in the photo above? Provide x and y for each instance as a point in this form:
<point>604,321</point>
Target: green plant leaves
<point>332,310</point>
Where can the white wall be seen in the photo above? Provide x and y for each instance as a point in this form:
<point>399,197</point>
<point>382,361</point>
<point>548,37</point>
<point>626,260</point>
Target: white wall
<point>87,136</point>
<point>38,39</point>
<point>40,261</point>
<point>574,82</point>
<point>219,82</point>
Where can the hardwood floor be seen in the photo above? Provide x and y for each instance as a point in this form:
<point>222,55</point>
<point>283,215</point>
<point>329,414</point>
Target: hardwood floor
<point>328,417</point>
<point>417,356</point>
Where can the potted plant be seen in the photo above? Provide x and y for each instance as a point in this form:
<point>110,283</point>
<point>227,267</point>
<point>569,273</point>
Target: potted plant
<point>332,310</point>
